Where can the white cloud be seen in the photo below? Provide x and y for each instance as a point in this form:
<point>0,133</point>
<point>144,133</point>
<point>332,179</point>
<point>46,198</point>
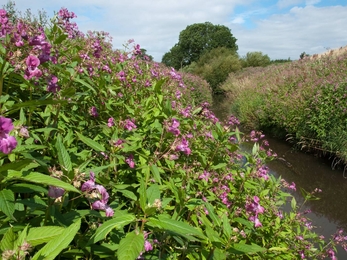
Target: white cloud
<point>310,29</point>
<point>238,20</point>
<point>156,24</point>
<point>287,3</point>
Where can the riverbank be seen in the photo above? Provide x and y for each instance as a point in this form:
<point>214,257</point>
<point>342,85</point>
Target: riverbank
<point>303,100</point>
<point>308,172</point>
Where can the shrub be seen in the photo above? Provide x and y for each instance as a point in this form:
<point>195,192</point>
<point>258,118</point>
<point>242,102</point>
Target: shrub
<point>215,66</point>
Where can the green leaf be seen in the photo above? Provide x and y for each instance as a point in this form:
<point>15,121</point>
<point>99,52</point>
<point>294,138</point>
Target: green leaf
<point>129,194</point>
<point>63,155</point>
<point>178,227</point>
<point>226,226</point>
<point>218,166</point>
<point>7,242</point>
<point>246,249</point>
<point>37,177</point>
<point>142,193</point>
<point>91,143</point>
<point>212,215</point>
<point>244,222</point>
<point>85,84</point>
<point>21,238</point>
<point>36,103</point>
<point>17,165</point>
<point>131,246</point>
<point>293,203</point>
<point>117,222</point>
<point>156,173</point>
<point>153,193</point>
<point>7,203</point>
<point>53,248</point>
<point>27,188</point>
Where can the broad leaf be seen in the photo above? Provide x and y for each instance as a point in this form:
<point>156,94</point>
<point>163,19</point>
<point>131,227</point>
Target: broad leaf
<point>156,173</point>
<point>153,193</point>
<point>91,143</point>
<point>63,155</point>
<point>7,203</point>
<point>142,192</point>
<point>117,222</point>
<point>175,226</point>
<point>40,235</point>
<point>42,179</point>
<point>7,242</point>
<point>246,249</point>
<point>131,246</point>
<point>53,248</point>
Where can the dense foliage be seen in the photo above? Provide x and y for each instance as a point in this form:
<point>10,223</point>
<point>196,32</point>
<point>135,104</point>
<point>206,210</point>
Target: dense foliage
<point>105,154</point>
<point>214,66</point>
<point>255,59</point>
<point>196,40</point>
<point>305,98</point>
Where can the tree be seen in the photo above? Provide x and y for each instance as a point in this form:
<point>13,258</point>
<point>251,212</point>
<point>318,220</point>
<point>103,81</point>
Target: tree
<point>256,59</point>
<point>174,58</point>
<point>303,55</point>
<point>196,40</point>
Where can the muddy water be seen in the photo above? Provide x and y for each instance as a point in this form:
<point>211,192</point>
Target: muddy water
<point>329,213</point>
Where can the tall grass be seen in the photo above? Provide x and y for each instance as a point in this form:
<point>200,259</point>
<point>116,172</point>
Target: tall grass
<point>306,99</point>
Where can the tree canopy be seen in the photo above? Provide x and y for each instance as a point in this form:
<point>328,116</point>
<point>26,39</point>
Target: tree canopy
<point>196,40</point>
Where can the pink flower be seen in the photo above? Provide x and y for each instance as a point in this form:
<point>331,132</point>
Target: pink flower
<point>110,122</point>
<point>23,132</point>
<point>256,221</point>
<point>174,127</point>
<point>52,85</point>
<point>32,70</point>
<point>130,160</point>
<point>7,142</point>
<point>148,246</point>
<point>183,147</point>
<point>55,192</point>
<point>93,111</point>
<point>90,184</point>
<point>129,124</point>
<point>6,125</point>
<point>292,186</point>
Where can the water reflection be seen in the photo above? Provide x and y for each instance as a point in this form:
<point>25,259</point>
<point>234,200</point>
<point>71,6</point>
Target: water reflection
<point>309,172</point>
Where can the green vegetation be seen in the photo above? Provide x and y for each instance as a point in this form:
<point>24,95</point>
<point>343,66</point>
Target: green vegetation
<point>214,66</point>
<point>255,59</point>
<point>105,154</point>
<point>305,99</point>
<point>196,40</point>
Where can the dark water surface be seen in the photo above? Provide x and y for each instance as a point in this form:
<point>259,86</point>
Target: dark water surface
<point>309,172</point>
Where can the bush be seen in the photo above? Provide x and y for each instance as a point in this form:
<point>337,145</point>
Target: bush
<point>215,66</point>
<point>255,59</point>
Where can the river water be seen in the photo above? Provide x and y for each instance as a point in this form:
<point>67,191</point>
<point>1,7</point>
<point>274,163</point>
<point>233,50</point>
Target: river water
<point>309,172</point>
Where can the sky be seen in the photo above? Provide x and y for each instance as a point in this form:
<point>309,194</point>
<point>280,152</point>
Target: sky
<point>281,29</point>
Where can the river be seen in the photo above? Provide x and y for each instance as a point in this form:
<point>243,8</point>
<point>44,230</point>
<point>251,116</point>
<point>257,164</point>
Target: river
<point>309,172</point>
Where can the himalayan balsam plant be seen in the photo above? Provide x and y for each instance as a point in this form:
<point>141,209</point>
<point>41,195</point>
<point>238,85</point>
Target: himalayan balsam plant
<point>107,155</point>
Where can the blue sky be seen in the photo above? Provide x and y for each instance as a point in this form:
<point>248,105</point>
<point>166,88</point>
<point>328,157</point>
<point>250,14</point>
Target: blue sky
<point>279,28</point>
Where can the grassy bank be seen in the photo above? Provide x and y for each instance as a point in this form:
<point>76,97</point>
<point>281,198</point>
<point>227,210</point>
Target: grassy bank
<point>304,100</point>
